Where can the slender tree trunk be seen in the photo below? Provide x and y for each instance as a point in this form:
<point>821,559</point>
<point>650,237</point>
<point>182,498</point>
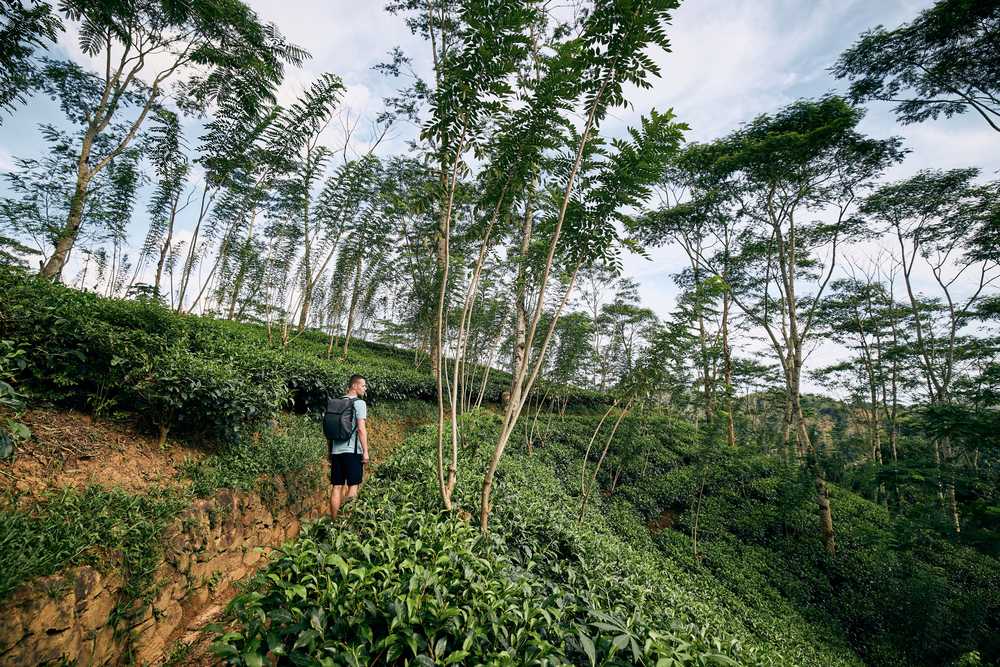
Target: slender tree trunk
<point>190,259</point>
<point>52,269</point>
<point>241,272</point>
<point>588,490</point>
<point>727,366</point>
<point>486,376</point>
<point>165,248</point>
<point>437,351</point>
<point>354,302</point>
<point>516,404</point>
<point>614,481</point>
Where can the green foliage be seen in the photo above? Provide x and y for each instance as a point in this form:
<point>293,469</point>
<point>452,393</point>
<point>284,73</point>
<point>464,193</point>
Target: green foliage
<point>12,360</point>
<point>896,592</point>
<point>402,582</point>
<point>195,375</point>
<point>93,526</point>
<point>114,529</point>
<point>944,62</point>
<point>294,450</point>
<point>26,26</point>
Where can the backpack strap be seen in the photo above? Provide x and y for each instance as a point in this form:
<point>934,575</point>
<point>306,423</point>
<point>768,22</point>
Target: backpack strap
<point>354,421</point>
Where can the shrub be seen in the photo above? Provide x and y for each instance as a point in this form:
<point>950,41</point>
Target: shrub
<point>186,373</point>
<point>405,583</point>
<point>293,450</point>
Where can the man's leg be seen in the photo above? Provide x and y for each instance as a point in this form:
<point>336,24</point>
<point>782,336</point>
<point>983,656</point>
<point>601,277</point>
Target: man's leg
<point>335,499</point>
<point>353,482</point>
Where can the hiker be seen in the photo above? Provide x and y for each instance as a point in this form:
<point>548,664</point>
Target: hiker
<point>347,438</point>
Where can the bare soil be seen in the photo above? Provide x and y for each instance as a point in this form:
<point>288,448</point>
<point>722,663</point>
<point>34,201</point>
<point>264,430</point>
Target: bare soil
<point>70,448</point>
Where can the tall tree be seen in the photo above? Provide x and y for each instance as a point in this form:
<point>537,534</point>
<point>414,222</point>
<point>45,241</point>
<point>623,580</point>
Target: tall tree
<point>24,26</point>
<point>161,41</point>
<point>946,61</point>
<point>166,149</point>
<point>609,52</point>
<point>42,191</point>
<point>945,221</point>
<point>808,156</point>
<point>476,48</point>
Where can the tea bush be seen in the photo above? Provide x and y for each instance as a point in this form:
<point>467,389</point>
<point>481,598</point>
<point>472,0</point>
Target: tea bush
<point>212,378</point>
<point>400,582</point>
<point>294,450</point>
<point>894,593</point>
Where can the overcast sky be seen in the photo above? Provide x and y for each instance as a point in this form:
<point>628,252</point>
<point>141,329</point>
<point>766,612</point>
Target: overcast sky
<point>730,60</point>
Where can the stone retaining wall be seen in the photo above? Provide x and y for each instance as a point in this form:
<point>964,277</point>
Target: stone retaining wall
<point>213,543</point>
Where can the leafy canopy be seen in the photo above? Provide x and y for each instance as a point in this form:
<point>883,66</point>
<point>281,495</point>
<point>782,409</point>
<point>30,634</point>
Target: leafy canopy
<point>946,61</point>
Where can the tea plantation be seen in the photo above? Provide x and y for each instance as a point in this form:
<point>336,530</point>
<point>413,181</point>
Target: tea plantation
<point>690,555</point>
<point>400,582</point>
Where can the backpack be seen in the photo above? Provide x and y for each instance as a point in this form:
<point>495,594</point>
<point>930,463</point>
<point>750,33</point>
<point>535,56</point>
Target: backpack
<point>338,422</point>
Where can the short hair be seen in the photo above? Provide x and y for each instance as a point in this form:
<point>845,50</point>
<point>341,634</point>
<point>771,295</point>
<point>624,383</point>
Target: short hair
<point>354,379</point>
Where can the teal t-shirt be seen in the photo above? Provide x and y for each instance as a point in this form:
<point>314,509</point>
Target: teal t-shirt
<point>360,412</point>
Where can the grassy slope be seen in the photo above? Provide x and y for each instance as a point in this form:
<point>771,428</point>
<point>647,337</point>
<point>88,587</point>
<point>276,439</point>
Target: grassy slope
<point>758,591</point>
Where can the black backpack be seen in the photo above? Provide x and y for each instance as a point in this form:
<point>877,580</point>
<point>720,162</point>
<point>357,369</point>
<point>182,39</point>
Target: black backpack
<point>339,422</point>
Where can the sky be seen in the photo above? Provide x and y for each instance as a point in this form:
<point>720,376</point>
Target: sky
<point>730,60</point>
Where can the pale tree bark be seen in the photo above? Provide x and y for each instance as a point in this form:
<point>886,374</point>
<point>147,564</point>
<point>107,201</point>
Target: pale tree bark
<point>192,252</point>
<point>448,182</point>
<point>353,307</point>
<point>727,370</point>
<point>117,81</point>
<point>461,343</point>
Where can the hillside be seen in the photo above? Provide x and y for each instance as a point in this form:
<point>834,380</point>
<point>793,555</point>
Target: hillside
<point>401,582</point>
<point>690,553</point>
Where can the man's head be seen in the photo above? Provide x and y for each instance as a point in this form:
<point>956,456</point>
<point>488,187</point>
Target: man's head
<point>357,385</point>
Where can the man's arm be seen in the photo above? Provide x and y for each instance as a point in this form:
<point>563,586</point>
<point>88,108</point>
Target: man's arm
<point>363,439</point>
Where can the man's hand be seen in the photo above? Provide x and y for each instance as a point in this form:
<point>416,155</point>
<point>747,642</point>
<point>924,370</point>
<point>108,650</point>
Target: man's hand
<point>363,438</point>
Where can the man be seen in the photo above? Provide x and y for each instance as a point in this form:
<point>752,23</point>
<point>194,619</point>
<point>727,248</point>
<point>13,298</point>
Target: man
<point>347,458</point>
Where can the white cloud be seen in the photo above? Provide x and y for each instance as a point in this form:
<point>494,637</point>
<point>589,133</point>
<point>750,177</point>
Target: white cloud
<point>6,161</point>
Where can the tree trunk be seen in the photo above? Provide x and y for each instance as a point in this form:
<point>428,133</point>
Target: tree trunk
<point>822,493</point>
<point>52,269</point>
<point>165,248</point>
<point>589,489</point>
<point>241,272</point>
<point>437,349</point>
<point>189,260</point>
<point>727,371</point>
<point>354,304</point>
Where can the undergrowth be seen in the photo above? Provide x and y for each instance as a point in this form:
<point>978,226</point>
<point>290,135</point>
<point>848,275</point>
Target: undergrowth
<point>108,528</point>
<point>114,529</point>
<point>293,449</point>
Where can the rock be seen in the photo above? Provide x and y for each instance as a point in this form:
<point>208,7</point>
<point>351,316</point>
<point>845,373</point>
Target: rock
<point>52,615</point>
<point>87,584</point>
<point>251,557</point>
<point>54,646</point>
<point>104,645</point>
<point>219,541</point>
<point>94,615</point>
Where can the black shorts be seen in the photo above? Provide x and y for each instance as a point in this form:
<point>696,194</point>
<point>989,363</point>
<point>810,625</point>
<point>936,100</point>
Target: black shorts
<point>345,469</point>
